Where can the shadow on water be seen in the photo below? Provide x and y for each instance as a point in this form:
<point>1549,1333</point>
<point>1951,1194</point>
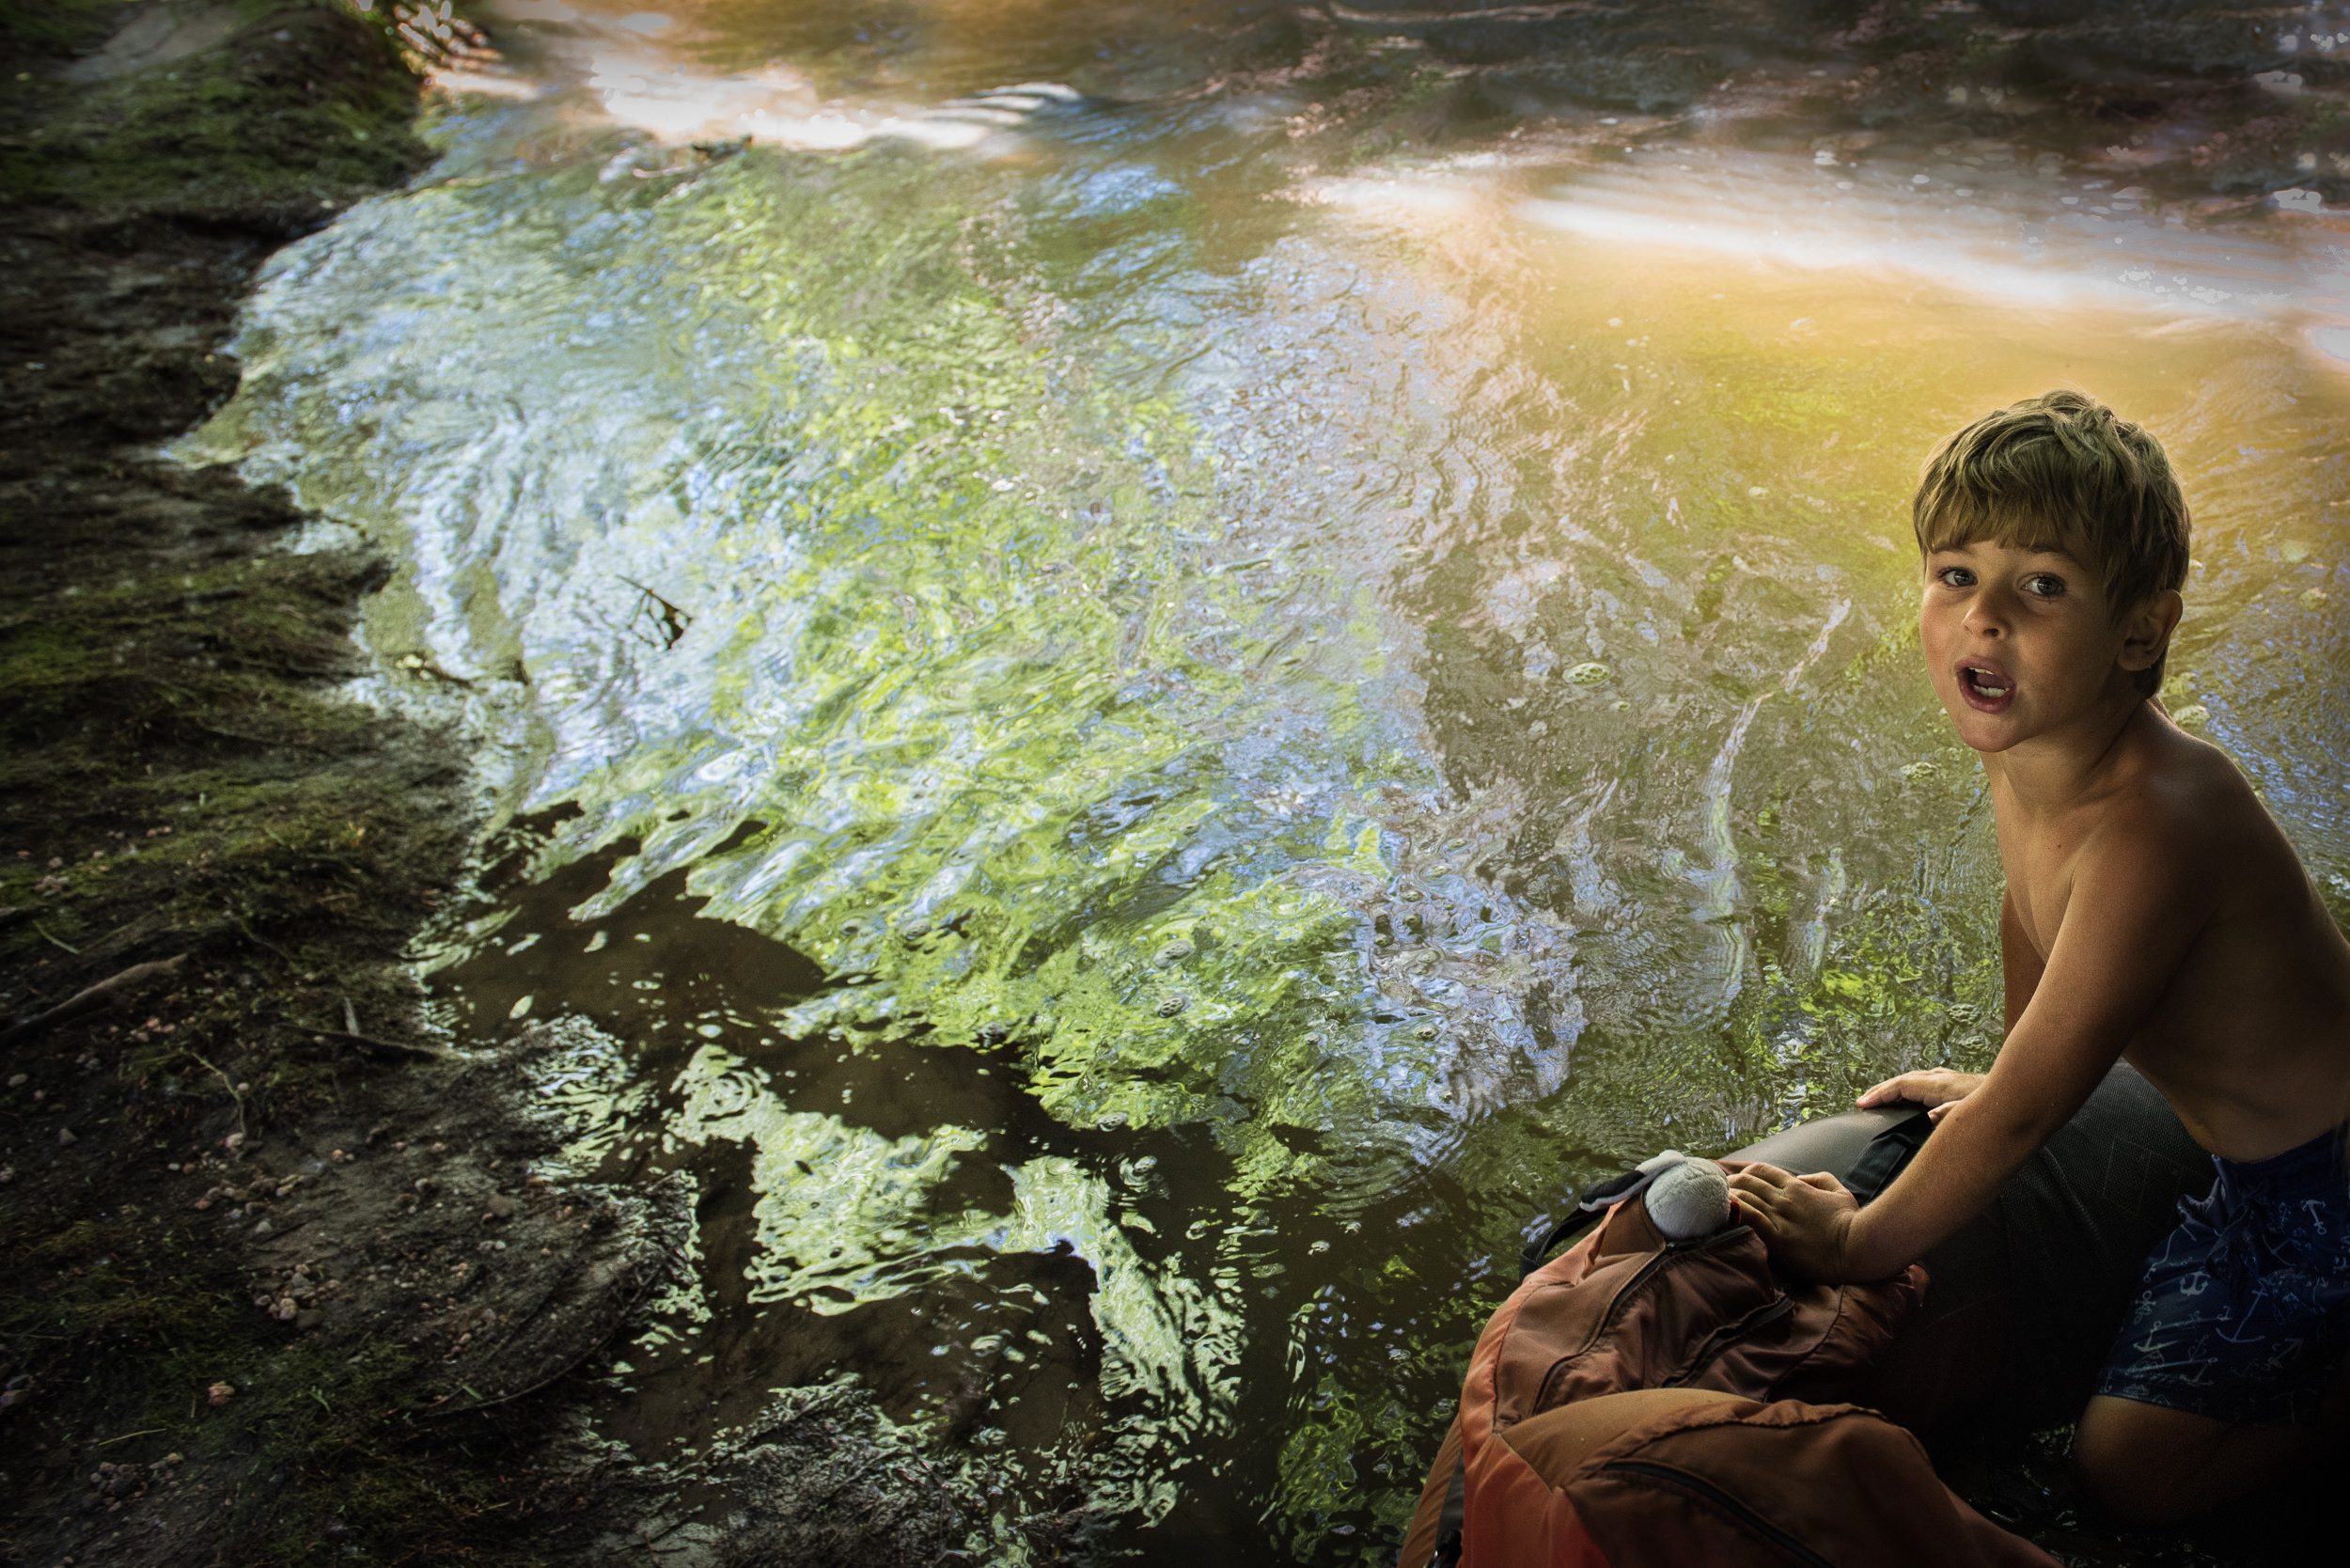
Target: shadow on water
<point>996,1350</point>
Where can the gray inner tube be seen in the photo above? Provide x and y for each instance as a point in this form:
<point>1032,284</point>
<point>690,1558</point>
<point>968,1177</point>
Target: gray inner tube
<point>2026,1299</point>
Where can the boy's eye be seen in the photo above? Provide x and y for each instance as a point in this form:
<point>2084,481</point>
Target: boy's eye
<point>1956,577</point>
<point>2043,585</point>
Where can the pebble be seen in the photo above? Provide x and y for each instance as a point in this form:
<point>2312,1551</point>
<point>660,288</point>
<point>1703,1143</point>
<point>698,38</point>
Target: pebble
<point>64,1135</point>
<point>221,1393</point>
<point>500,1207</point>
<point>16,1080</point>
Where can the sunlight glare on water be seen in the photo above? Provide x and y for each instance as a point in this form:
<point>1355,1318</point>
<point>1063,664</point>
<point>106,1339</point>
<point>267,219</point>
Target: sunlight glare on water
<point>1291,708</point>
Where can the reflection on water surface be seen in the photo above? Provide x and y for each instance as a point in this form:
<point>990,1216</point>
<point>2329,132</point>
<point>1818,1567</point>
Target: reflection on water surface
<point>1160,691</point>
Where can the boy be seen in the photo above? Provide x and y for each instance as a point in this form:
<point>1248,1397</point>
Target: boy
<point>2154,912</point>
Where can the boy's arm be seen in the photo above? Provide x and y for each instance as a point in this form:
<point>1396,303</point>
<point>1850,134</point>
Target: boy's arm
<point>2020,963</point>
<point>2135,909</point>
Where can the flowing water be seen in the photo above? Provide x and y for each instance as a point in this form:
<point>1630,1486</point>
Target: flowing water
<point>1161,691</point>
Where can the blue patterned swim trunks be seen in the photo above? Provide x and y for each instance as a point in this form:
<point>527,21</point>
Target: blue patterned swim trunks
<point>2244,1312</point>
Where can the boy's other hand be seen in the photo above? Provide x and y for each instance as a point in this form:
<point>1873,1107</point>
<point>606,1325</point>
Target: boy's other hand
<point>1803,1220</point>
<point>1938,1089</point>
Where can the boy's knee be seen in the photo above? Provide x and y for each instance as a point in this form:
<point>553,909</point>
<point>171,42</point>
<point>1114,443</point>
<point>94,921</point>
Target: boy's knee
<point>2141,1461</point>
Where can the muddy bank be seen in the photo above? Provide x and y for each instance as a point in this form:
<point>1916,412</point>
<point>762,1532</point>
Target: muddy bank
<point>279,1275</point>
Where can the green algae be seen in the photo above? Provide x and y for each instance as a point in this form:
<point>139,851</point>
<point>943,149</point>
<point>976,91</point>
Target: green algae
<point>267,136</point>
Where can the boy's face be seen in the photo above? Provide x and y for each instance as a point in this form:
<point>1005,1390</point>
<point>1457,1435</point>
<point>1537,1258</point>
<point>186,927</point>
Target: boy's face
<point>2021,642</point>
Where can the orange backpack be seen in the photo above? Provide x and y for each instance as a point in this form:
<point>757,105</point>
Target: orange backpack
<point>1786,1471</point>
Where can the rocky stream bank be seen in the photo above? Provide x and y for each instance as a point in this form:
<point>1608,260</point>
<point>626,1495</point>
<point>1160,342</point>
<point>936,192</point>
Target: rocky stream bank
<point>280,1277</point>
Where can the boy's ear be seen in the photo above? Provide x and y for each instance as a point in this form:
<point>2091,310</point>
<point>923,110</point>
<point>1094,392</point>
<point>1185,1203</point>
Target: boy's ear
<point>2146,636</point>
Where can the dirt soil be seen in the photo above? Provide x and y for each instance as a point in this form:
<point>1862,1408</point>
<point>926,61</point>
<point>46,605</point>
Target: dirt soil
<point>281,1278</point>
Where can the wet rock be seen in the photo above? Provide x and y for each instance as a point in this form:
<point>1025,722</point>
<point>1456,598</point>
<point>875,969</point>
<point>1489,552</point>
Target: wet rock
<point>220,1394</point>
<point>499,1207</point>
<point>823,1477</point>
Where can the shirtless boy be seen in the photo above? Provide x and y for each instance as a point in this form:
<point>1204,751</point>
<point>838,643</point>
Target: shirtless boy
<point>2154,912</point>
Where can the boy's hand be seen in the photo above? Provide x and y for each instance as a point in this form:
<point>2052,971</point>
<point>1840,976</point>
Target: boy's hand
<point>1804,1221</point>
<point>1941,1089</point>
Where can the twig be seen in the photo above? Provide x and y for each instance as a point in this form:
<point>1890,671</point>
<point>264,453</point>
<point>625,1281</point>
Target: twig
<point>90,998</point>
<point>258,940</point>
<point>128,1435</point>
<point>231,1084</point>
<point>672,621</point>
<point>55,941</point>
<point>357,1038</point>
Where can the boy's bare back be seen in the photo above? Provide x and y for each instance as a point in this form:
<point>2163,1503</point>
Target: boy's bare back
<point>2250,1038</point>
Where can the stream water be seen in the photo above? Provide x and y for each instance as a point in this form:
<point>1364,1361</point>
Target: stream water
<point>1163,676</point>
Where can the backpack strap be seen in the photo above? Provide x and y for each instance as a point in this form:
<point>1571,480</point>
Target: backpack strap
<point>1888,1155</point>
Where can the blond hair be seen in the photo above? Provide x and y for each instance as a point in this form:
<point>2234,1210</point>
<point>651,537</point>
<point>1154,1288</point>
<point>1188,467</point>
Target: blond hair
<point>2062,472</point>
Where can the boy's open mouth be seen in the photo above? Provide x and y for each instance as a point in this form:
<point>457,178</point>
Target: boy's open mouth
<point>1986,686</point>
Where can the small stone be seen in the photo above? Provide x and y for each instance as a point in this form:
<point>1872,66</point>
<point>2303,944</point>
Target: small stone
<point>263,1229</point>
<point>64,1135</point>
<point>16,1080</point>
<point>1173,1005</point>
<point>500,1207</point>
<point>1426,1031</point>
<point>221,1393</point>
<point>284,1311</point>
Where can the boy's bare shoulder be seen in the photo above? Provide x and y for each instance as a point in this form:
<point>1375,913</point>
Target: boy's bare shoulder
<point>2184,799</point>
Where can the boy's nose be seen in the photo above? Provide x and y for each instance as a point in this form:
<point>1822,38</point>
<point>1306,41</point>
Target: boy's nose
<point>1987,613</point>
